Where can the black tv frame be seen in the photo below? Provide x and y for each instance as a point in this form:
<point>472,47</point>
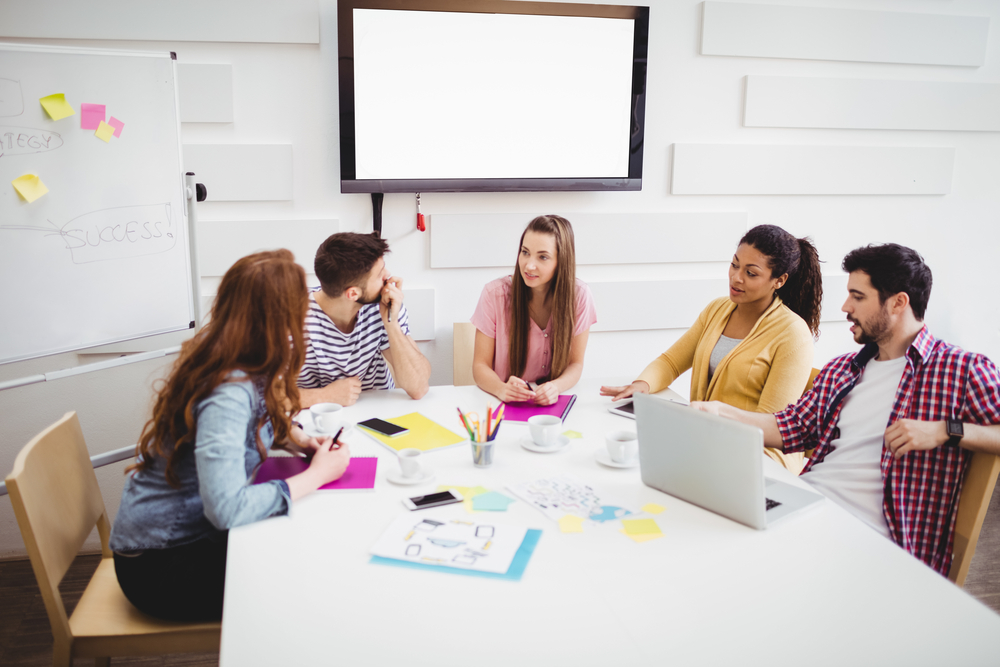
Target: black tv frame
<point>345,46</point>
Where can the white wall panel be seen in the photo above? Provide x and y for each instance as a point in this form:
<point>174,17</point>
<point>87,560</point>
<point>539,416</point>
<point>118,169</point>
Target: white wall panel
<point>676,304</point>
<point>222,242</point>
<point>601,238</point>
<point>205,93</point>
<point>819,33</point>
<point>242,172</point>
<point>420,311</point>
<point>295,21</point>
<point>787,101</point>
<point>731,169</point>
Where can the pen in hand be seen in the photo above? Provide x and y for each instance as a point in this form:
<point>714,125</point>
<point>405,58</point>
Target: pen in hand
<point>336,445</point>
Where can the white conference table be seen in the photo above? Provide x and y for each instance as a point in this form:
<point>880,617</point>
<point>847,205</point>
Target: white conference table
<point>819,588</point>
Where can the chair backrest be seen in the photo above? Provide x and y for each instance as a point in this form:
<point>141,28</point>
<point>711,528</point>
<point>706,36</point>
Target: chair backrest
<point>464,342</point>
<point>977,490</point>
<point>57,502</point>
<point>812,378</point>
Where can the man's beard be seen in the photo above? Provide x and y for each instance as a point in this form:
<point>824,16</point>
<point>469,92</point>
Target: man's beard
<point>873,332</point>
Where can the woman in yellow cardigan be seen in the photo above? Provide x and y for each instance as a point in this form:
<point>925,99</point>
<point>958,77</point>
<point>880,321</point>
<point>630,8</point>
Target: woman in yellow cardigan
<point>754,349</point>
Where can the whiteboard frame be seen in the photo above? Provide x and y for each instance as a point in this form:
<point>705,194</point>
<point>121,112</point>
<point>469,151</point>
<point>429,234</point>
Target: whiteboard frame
<point>187,199</point>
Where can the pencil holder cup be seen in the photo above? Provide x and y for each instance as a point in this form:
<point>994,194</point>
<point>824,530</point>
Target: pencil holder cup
<point>482,454</point>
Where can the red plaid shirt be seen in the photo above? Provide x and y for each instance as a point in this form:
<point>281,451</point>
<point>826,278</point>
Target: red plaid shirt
<point>940,381</point>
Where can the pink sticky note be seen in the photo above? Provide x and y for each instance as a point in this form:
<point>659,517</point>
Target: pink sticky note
<point>91,116</point>
<point>117,124</point>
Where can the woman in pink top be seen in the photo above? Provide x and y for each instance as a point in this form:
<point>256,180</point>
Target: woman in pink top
<point>533,326</point>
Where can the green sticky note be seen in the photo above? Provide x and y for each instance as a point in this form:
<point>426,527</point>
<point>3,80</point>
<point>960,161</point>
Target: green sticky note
<point>573,435</point>
<point>640,527</point>
<point>491,501</point>
<point>56,106</point>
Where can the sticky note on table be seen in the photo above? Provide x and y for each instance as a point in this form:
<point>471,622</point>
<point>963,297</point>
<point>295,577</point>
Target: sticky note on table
<point>30,187</point>
<point>570,523</point>
<point>639,539</point>
<point>573,435</point>
<point>640,527</point>
<point>91,116</point>
<point>118,125</point>
<point>104,132</point>
<point>491,501</point>
<point>56,106</point>
<point>653,508</point>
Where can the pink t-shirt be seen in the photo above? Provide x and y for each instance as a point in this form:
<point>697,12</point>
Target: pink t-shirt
<point>491,318</point>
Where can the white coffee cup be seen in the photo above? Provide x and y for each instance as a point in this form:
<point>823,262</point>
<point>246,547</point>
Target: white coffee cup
<point>409,462</point>
<point>623,446</point>
<point>327,417</point>
<point>545,430</point>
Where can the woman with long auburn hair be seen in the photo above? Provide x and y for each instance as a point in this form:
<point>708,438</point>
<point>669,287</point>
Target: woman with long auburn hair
<point>533,326</point>
<point>226,401</point>
<point>754,348</point>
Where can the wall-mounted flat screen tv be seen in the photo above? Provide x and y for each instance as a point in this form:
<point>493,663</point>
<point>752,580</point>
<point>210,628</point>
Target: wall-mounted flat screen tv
<point>491,95</point>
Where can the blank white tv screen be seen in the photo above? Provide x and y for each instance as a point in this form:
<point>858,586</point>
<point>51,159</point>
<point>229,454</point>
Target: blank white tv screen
<point>452,95</point>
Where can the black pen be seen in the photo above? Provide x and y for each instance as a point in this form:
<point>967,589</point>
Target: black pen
<point>334,445</point>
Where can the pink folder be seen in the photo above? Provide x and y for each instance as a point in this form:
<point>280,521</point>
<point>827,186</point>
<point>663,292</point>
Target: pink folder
<point>360,475</point>
<point>519,412</point>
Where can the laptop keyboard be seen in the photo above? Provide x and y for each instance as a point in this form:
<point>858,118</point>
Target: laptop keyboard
<point>770,504</point>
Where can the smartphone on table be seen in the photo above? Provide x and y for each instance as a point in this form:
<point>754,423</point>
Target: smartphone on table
<point>383,427</point>
<point>432,500</point>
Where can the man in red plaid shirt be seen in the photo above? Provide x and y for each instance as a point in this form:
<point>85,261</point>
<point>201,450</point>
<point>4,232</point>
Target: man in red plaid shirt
<point>895,424</point>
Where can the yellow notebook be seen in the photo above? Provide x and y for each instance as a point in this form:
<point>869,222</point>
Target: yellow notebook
<point>424,434</point>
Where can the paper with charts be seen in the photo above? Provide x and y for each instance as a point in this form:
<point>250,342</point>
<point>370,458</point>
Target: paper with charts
<point>560,495</point>
<point>467,545</point>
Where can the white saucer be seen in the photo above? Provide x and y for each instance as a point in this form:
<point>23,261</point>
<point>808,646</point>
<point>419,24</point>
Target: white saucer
<point>605,460</point>
<point>396,477</point>
<point>530,445</point>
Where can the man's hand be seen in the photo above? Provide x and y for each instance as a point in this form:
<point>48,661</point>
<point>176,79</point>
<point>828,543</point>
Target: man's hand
<point>618,393</point>
<point>392,298</point>
<point>344,391</point>
<point>907,435</point>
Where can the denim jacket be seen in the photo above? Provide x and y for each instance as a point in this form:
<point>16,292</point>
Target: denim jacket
<point>215,493</point>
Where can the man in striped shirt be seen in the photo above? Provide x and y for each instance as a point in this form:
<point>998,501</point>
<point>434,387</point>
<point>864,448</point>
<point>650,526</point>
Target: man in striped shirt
<point>357,326</point>
<point>895,424</point>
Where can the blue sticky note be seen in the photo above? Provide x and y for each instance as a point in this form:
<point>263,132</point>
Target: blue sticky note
<point>513,573</point>
<point>491,501</point>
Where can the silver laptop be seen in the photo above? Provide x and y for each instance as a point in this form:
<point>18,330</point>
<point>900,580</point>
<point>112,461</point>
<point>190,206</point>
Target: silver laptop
<point>712,462</point>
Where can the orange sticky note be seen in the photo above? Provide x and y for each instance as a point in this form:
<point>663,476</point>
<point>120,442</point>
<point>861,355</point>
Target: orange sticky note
<point>30,187</point>
<point>104,132</point>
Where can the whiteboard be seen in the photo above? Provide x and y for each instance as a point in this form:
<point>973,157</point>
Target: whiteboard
<point>103,256</point>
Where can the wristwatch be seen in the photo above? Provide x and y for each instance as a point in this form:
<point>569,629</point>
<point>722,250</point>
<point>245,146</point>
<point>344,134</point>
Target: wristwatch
<point>955,431</point>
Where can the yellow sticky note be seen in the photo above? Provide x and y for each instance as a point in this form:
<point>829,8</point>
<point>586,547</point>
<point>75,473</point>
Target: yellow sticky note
<point>640,527</point>
<point>573,435</point>
<point>56,106</point>
<point>639,539</point>
<point>571,524</point>
<point>104,132</point>
<point>653,508</point>
<point>30,187</point>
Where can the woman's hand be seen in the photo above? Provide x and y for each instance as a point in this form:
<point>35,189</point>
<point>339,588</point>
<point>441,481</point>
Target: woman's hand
<point>516,390</point>
<point>329,460</point>
<point>546,394</point>
<point>618,393</point>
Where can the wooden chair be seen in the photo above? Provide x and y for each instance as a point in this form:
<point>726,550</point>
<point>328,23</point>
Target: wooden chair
<point>57,503</point>
<point>464,345</point>
<point>977,490</point>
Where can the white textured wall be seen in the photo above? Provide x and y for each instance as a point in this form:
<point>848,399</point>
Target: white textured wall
<point>287,94</point>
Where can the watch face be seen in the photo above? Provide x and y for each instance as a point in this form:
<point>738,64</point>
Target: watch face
<point>955,429</point>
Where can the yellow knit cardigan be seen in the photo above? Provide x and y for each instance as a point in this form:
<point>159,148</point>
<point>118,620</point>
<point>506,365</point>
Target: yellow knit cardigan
<point>765,372</point>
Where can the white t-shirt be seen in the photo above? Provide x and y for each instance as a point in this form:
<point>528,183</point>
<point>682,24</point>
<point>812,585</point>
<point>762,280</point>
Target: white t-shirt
<point>851,475</point>
<point>331,354</point>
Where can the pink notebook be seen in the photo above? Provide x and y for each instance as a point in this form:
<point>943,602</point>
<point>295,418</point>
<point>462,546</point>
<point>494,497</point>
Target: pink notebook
<point>360,474</point>
<point>519,412</point>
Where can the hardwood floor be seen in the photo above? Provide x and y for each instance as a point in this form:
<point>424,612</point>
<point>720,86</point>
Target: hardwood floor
<point>25,638</point>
